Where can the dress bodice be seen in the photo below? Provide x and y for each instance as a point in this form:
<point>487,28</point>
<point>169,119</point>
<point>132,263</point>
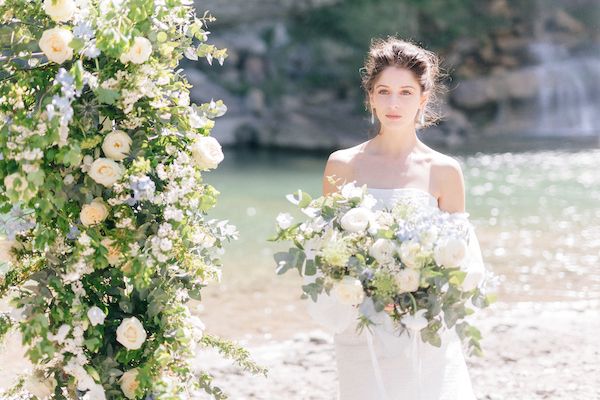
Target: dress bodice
<point>387,197</point>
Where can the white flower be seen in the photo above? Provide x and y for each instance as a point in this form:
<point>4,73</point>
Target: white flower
<point>105,172</point>
<point>42,389</point>
<point>114,253</point>
<point>383,251</point>
<point>116,145</point>
<point>408,280</point>
<point>198,326</point>
<point>349,291</point>
<point>139,52</point>
<point>96,316</point>
<point>368,201</point>
<point>6,247</point>
<point>207,152</point>
<point>93,213</point>
<point>410,252</point>
<point>284,220</point>
<point>350,191</point>
<point>131,333</point>
<point>60,10</point>
<point>356,219</point>
<point>450,252</point>
<point>129,383</point>
<point>428,237</point>
<point>415,322</point>
<point>15,182</point>
<point>61,334</point>
<point>55,44</point>
<point>95,392</point>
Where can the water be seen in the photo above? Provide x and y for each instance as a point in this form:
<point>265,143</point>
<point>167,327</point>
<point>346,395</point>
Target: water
<point>536,214</point>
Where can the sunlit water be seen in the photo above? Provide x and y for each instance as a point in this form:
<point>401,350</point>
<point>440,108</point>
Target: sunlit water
<point>537,217</point>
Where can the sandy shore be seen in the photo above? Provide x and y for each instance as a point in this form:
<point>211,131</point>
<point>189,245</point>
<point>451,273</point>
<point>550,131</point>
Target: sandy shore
<point>532,351</point>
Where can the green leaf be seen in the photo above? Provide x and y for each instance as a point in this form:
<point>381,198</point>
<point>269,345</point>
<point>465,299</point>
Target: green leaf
<point>107,96</point>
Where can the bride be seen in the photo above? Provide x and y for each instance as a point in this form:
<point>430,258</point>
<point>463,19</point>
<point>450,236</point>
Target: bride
<point>400,81</point>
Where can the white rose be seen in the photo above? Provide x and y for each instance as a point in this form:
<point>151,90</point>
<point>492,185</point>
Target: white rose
<point>116,145</point>
<point>105,172</point>
<point>139,52</point>
<point>350,191</point>
<point>415,322</point>
<point>114,253</point>
<point>129,383</point>
<point>96,316</point>
<point>93,213</point>
<point>356,220</point>
<point>410,251</point>
<point>284,220</point>
<point>450,252</point>
<point>60,10</point>
<point>95,392</point>
<point>55,44</point>
<point>42,389</point>
<point>349,291</point>
<point>6,247</point>
<point>131,333</point>
<point>383,251</point>
<point>408,280</point>
<point>207,152</point>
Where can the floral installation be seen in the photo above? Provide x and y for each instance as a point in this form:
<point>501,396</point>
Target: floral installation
<point>106,236</point>
<point>413,262</point>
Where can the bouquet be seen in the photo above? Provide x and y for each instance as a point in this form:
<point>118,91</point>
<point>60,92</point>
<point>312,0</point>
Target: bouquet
<point>106,233</point>
<point>413,261</point>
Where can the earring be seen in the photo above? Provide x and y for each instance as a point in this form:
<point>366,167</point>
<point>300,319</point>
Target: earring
<point>422,118</point>
<point>372,116</point>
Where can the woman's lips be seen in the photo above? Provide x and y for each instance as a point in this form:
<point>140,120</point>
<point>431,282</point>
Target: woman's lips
<point>393,116</point>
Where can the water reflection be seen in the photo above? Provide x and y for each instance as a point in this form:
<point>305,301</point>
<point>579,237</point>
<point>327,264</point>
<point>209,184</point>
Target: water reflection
<point>536,214</point>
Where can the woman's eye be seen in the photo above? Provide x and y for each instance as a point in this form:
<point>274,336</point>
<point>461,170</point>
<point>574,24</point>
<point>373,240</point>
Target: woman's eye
<point>406,93</point>
<point>383,91</point>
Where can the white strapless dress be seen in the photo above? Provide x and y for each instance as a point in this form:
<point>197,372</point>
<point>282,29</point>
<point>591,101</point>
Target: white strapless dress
<point>380,365</point>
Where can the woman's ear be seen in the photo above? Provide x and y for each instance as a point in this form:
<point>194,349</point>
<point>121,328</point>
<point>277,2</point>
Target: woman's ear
<point>424,99</point>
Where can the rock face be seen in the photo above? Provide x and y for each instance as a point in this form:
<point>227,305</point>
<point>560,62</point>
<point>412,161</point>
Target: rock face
<point>500,83</point>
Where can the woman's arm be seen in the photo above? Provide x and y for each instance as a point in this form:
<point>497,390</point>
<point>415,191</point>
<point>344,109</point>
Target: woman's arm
<point>451,186</point>
<point>338,170</point>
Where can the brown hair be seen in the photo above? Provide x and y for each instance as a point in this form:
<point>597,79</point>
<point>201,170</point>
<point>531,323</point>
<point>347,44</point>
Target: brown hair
<point>399,53</point>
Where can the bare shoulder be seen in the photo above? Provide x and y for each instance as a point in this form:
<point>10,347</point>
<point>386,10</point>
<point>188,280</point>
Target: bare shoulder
<point>447,178</point>
<point>340,168</point>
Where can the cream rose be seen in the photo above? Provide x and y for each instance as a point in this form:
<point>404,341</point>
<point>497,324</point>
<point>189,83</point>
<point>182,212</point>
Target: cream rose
<point>60,10</point>
<point>6,247</point>
<point>349,291</point>
<point>42,389</point>
<point>93,213</point>
<point>129,383</point>
<point>131,333</point>
<point>383,251</point>
<point>356,220</point>
<point>450,252</point>
<point>139,52</point>
<point>408,280</point>
<point>207,152</point>
<point>410,251</point>
<point>55,44</point>
<point>116,145</point>
<point>114,254</point>
<point>105,172</point>
<point>96,316</point>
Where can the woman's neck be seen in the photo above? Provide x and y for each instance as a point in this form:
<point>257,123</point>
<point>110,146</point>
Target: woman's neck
<point>396,143</point>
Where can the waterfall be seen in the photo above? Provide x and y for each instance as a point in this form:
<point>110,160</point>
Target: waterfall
<point>568,101</point>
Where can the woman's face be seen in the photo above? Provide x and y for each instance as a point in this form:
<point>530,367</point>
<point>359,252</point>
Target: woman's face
<point>396,97</point>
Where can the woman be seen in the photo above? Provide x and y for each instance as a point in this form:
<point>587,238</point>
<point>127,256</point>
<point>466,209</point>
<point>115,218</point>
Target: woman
<point>401,82</point>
